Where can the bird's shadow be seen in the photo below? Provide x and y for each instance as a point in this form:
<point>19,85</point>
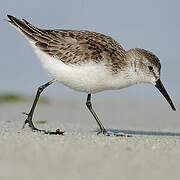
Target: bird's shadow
<point>138,132</point>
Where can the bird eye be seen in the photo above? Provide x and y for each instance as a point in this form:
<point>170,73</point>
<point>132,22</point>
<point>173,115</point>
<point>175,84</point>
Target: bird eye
<point>150,68</point>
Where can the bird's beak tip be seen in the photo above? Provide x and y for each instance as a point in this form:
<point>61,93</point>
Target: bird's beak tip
<point>163,91</point>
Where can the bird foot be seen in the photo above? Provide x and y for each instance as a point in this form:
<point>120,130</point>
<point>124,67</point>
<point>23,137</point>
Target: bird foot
<point>31,125</point>
<point>110,133</point>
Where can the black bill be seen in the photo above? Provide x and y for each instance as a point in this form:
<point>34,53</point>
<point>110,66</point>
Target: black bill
<point>161,88</point>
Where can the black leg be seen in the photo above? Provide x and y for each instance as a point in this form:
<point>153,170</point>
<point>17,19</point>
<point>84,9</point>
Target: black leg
<point>89,105</point>
<point>102,128</point>
<point>30,114</point>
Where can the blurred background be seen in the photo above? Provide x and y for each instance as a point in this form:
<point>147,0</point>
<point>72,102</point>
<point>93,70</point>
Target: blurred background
<point>152,25</point>
<point>138,110</point>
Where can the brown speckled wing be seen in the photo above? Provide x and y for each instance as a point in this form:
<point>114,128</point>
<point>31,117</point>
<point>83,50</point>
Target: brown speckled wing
<point>74,46</point>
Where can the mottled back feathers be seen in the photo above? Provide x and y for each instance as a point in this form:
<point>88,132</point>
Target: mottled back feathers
<point>74,46</point>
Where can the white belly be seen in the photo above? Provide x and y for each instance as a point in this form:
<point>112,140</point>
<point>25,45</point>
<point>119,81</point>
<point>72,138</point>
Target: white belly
<point>90,77</point>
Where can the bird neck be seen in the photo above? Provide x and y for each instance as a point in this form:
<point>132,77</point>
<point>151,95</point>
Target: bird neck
<point>134,60</point>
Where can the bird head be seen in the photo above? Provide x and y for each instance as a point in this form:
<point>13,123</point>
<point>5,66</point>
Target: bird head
<point>147,68</point>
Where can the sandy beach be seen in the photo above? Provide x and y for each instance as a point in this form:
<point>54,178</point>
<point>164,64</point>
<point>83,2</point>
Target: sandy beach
<point>153,151</point>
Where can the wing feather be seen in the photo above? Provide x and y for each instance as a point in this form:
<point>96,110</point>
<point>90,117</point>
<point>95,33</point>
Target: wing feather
<point>73,46</point>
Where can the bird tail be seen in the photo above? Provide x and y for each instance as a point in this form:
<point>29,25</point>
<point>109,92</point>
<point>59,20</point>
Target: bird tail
<point>31,32</point>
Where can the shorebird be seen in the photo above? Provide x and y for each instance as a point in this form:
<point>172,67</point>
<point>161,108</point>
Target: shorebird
<point>88,62</point>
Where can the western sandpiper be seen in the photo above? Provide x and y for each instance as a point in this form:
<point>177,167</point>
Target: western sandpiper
<point>89,62</point>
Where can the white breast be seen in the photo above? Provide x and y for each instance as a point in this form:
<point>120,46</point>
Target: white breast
<point>88,77</point>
